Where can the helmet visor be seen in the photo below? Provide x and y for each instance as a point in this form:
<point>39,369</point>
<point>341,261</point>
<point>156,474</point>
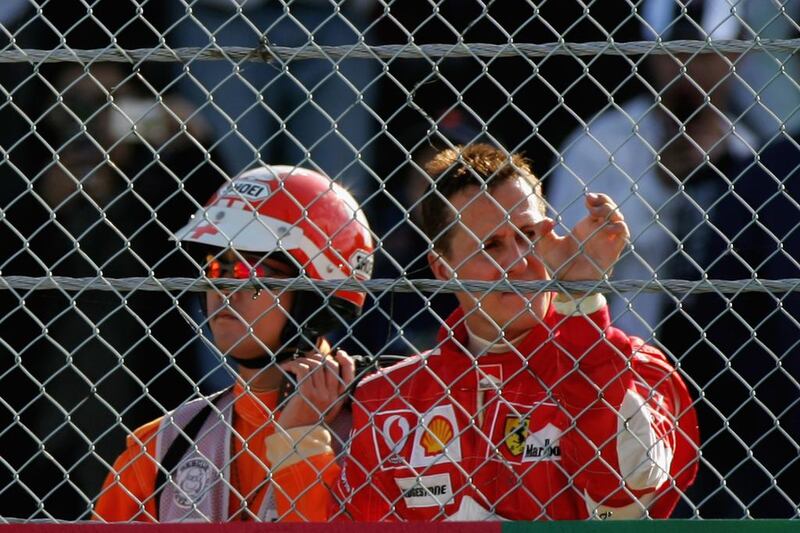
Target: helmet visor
<point>247,231</point>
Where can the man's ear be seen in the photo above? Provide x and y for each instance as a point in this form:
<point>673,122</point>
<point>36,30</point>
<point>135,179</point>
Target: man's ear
<point>439,266</point>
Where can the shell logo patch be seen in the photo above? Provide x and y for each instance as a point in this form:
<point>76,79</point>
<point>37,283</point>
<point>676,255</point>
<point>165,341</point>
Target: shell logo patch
<point>436,438</point>
<point>437,435</point>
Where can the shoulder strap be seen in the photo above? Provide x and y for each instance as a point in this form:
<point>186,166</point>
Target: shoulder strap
<point>178,448</point>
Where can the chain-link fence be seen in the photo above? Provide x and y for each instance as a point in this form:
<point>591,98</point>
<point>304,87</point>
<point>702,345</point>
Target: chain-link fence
<point>122,119</point>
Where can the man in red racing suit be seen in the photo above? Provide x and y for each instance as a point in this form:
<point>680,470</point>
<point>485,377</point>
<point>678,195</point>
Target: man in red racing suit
<point>580,426</point>
<point>531,406</point>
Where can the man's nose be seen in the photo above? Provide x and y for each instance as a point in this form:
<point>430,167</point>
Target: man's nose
<point>226,296</point>
<point>518,257</point>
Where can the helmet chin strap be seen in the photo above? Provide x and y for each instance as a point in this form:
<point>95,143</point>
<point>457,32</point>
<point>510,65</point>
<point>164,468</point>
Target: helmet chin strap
<point>263,361</point>
<point>254,363</point>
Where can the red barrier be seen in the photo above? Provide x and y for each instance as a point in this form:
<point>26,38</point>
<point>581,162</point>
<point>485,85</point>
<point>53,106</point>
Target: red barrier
<point>252,527</point>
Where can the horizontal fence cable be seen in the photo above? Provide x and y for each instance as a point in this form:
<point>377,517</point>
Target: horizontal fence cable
<point>269,53</point>
<point>401,285</point>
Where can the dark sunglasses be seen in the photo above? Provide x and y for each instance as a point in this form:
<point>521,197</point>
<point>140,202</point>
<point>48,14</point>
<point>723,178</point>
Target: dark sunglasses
<point>250,267</point>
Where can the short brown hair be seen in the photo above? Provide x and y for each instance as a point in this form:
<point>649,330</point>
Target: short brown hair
<point>454,169</point>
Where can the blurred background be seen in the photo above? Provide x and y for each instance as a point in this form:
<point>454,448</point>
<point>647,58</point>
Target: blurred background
<point>698,150</point>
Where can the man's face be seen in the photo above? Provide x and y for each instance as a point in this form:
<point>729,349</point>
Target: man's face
<point>245,326</point>
<point>494,238</point>
<point>684,93</point>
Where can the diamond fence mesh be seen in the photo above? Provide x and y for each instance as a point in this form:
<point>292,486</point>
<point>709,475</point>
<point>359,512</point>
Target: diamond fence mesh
<point>122,119</point>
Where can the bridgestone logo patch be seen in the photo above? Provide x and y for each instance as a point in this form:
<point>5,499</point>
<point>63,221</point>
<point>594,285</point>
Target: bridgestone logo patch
<point>417,490</point>
<point>426,491</point>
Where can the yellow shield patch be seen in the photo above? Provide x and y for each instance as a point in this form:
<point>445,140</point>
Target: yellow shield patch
<point>516,431</point>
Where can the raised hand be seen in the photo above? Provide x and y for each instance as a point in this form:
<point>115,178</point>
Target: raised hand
<point>321,384</point>
<point>592,247</point>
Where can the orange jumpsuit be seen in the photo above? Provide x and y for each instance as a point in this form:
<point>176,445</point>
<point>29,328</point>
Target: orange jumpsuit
<point>130,496</point>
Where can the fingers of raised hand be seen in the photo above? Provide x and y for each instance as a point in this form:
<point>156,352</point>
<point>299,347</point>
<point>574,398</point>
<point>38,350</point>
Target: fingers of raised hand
<point>617,228</point>
<point>318,379</point>
<point>544,227</point>
<point>347,367</point>
<point>597,198</point>
<point>315,356</point>
<point>299,367</point>
<point>545,237</point>
<point>330,376</point>
<point>602,207</point>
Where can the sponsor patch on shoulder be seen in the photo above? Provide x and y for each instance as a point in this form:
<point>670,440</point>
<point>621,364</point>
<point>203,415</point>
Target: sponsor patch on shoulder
<point>426,491</point>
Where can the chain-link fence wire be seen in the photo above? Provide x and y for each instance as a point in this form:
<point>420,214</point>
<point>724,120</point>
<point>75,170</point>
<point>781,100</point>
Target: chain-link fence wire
<point>120,121</point>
